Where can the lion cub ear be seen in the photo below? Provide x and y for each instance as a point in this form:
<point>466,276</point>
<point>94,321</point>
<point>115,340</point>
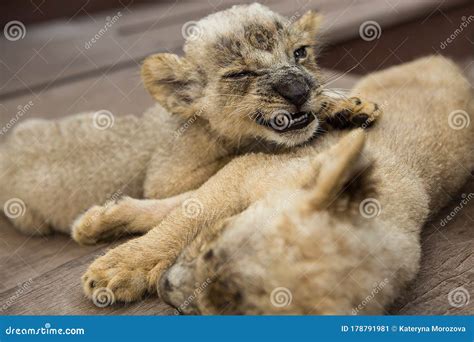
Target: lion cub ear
<point>337,165</point>
<point>310,22</point>
<point>172,81</point>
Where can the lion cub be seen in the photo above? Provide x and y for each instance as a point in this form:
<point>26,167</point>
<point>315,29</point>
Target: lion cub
<point>248,82</point>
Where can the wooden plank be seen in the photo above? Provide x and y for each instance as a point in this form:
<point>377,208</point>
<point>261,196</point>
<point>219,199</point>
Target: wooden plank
<point>54,53</point>
<point>447,265</point>
<point>59,292</point>
<point>23,258</point>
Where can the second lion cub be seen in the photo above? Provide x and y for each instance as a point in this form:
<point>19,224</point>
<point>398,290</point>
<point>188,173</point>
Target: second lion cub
<point>249,82</point>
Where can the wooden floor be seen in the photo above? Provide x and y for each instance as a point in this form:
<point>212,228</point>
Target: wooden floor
<point>52,68</point>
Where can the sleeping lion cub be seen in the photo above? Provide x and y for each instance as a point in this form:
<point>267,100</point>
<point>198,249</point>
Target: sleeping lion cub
<point>321,226</point>
<point>249,82</point>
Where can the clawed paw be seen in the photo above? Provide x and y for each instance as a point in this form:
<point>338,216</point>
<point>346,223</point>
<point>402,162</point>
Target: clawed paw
<point>356,113</point>
<point>108,282</point>
<point>97,224</point>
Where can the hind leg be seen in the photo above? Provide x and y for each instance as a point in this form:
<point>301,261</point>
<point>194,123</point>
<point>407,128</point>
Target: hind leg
<point>24,218</point>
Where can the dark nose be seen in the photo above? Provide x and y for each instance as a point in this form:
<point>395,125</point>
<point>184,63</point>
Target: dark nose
<point>293,88</point>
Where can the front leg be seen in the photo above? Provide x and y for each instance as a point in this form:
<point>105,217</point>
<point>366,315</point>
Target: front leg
<point>128,216</point>
<point>134,268</point>
<point>351,112</point>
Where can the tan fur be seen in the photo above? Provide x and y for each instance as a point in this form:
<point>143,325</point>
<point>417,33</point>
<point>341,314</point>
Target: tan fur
<point>269,221</point>
<point>60,168</point>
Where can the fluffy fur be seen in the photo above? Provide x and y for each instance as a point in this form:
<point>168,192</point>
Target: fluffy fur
<point>316,249</point>
<point>209,103</point>
<point>297,220</point>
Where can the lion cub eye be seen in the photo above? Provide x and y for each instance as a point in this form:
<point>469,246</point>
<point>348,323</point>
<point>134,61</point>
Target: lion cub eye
<point>240,74</point>
<point>300,53</point>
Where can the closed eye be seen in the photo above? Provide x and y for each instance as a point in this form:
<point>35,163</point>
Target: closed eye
<point>240,74</point>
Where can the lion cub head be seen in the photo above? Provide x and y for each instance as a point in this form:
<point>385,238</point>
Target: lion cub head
<point>249,72</point>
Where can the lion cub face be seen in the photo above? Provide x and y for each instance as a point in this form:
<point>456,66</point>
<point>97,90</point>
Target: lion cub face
<point>247,71</point>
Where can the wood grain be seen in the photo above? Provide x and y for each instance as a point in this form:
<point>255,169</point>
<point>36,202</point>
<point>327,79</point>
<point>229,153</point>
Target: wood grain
<point>53,54</point>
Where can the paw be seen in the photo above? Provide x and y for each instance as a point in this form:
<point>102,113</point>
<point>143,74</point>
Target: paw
<point>97,224</point>
<point>109,280</point>
<point>355,113</point>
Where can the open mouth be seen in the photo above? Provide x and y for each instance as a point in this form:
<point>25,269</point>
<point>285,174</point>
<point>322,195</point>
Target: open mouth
<point>283,121</point>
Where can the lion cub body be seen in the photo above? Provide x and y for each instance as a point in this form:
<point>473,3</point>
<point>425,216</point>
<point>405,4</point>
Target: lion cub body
<point>206,116</point>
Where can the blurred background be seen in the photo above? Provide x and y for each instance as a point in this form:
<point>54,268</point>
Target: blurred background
<point>62,57</point>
